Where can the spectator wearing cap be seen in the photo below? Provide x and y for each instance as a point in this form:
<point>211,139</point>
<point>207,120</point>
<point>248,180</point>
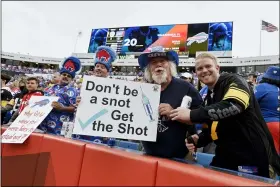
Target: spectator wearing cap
<point>64,108</point>
<point>268,96</point>
<point>187,77</point>
<point>161,68</point>
<point>104,57</point>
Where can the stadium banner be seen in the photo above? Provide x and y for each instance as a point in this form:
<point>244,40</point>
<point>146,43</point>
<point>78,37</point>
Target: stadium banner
<point>197,38</point>
<point>185,39</point>
<point>220,36</point>
<point>113,108</point>
<point>29,119</point>
<point>142,39</point>
<point>136,40</point>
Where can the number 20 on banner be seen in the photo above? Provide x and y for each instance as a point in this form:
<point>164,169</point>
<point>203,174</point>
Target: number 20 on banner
<point>132,42</point>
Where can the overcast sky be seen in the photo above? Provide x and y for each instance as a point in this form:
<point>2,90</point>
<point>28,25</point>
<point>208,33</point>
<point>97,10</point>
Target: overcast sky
<point>50,28</point>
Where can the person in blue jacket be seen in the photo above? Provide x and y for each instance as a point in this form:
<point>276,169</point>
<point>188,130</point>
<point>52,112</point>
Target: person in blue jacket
<point>268,96</point>
<point>259,78</point>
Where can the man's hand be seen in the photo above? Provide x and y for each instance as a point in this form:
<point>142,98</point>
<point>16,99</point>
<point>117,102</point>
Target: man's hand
<point>165,109</point>
<point>78,100</point>
<point>181,114</point>
<point>191,146</point>
<point>56,105</point>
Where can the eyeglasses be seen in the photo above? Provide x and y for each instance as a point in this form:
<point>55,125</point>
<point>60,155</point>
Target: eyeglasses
<point>66,75</point>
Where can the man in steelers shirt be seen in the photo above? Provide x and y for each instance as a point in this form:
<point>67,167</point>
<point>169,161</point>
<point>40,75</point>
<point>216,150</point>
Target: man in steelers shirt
<point>144,36</point>
<point>63,109</point>
<point>232,119</point>
<point>160,68</point>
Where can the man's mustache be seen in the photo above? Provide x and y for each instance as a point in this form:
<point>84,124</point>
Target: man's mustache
<point>159,69</point>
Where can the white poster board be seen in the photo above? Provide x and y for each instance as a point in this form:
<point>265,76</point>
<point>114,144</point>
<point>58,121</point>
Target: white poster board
<point>29,119</point>
<point>118,109</point>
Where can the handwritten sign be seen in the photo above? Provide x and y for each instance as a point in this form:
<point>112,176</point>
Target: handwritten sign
<point>29,119</point>
<point>118,109</point>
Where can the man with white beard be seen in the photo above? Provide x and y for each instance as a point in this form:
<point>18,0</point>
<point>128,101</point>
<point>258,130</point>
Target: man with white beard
<point>160,68</point>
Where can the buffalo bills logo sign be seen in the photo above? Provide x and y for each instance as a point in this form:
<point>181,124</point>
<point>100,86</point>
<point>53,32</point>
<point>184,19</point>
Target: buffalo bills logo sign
<point>69,65</point>
<point>103,55</point>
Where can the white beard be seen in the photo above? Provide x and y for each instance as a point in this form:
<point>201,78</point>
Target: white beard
<point>159,79</point>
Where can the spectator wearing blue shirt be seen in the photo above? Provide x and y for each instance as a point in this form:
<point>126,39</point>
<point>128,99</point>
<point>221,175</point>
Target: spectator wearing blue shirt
<point>268,96</point>
<point>64,108</point>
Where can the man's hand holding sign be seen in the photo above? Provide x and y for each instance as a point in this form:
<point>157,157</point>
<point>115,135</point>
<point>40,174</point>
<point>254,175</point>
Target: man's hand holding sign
<point>114,108</point>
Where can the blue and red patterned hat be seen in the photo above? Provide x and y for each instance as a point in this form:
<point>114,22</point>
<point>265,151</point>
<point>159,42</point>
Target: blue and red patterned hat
<point>105,55</point>
<point>70,65</point>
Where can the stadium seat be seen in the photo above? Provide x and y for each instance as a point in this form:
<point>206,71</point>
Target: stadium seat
<point>170,173</point>
<point>60,162</point>
<point>204,158</point>
<point>19,161</point>
<point>128,145</point>
<point>246,175</point>
<point>111,167</point>
<point>187,161</point>
<point>130,150</point>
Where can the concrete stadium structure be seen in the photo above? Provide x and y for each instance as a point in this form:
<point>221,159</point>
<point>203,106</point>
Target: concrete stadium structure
<point>129,63</point>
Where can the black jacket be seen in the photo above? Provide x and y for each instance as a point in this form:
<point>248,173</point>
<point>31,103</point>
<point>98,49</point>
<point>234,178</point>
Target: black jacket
<point>171,135</point>
<point>235,123</point>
